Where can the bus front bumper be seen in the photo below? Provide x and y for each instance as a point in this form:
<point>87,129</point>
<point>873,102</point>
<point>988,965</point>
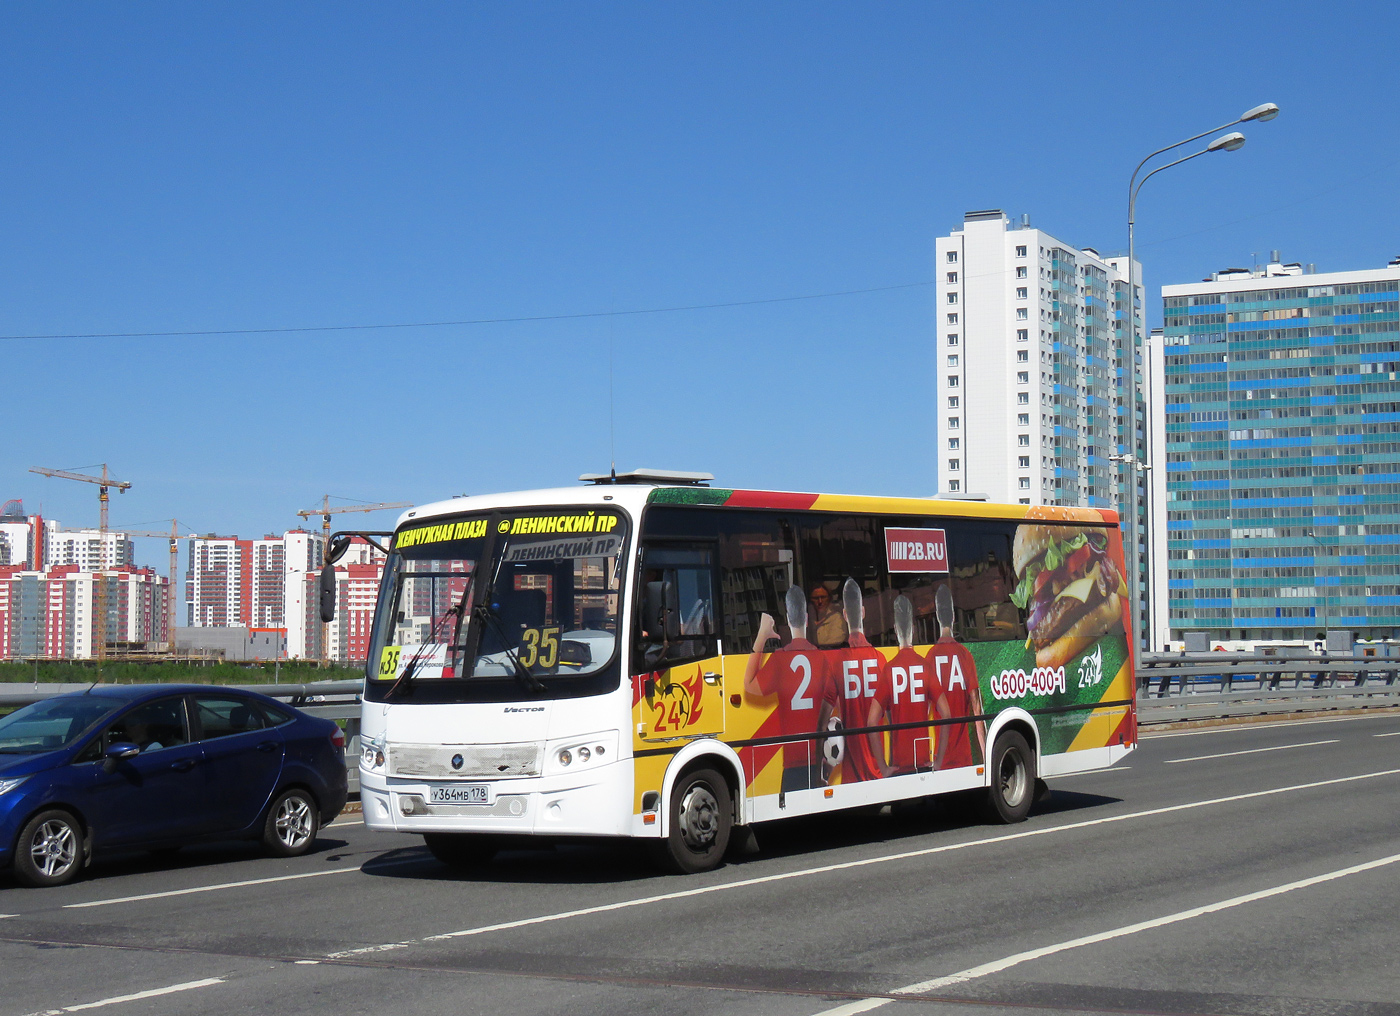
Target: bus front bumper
<point>597,802</point>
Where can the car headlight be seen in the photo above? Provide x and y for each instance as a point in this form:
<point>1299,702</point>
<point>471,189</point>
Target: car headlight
<point>6,785</point>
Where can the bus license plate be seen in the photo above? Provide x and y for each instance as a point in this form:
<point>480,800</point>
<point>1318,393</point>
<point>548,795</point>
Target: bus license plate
<point>471,793</point>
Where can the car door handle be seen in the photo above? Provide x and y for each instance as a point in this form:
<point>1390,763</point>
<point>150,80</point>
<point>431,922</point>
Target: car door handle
<point>711,677</point>
<point>268,746</point>
<point>183,766</point>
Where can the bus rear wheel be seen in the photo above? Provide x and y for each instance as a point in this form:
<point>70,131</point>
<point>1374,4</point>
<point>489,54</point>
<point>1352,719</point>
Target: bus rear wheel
<point>1013,779</point>
<point>460,850</point>
<point>701,819</point>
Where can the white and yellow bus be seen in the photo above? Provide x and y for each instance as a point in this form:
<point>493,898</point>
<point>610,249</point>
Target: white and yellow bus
<point>654,658</point>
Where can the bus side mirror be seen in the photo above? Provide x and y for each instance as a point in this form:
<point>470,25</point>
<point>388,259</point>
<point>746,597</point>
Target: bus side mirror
<point>328,593</point>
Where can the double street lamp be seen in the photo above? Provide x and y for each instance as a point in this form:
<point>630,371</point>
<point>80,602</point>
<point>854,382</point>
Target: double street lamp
<point>1134,458</point>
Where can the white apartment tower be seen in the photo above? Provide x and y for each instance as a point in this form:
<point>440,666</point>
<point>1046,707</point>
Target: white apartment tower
<point>1033,380</point>
<point>89,549</point>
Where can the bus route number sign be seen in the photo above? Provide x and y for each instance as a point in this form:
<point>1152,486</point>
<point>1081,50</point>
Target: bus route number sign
<point>917,550</point>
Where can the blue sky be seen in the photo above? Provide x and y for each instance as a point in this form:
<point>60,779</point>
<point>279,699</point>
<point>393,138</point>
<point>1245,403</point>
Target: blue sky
<point>176,167</point>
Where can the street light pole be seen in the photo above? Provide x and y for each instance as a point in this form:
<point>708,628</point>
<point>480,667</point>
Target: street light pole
<point>1229,143</point>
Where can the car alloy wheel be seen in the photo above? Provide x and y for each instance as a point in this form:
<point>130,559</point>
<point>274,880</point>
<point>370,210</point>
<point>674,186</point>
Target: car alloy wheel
<point>54,848</point>
<point>293,822</point>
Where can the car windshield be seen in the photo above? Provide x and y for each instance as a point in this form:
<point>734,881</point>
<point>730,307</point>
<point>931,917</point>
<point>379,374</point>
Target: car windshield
<point>52,723</point>
<point>537,592</point>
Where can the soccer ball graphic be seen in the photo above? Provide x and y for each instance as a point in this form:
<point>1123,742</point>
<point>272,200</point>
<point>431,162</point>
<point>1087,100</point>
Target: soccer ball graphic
<point>834,747</point>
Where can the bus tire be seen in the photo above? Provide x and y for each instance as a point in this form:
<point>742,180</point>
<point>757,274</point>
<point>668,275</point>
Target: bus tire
<point>701,819</point>
<point>1013,779</point>
<point>460,850</point>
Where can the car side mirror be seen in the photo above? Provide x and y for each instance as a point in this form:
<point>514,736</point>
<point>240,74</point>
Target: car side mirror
<point>115,753</point>
<point>328,593</point>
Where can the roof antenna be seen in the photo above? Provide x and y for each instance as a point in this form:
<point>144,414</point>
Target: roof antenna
<point>612,429</point>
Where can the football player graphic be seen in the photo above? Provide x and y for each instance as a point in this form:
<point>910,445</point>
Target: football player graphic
<point>858,673</point>
<point>955,670</point>
<point>798,675</point>
<point>907,692</point>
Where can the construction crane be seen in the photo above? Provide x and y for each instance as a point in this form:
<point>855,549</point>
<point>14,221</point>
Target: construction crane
<point>174,537</point>
<point>99,612</point>
<point>326,511</point>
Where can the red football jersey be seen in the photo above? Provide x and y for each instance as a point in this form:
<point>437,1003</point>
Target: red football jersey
<point>858,674</point>
<point>953,668</point>
<point>906,691</point>
<point>798,675</point>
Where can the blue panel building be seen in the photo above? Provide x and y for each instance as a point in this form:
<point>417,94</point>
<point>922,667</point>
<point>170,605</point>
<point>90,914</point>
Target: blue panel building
<point>1282,453</point>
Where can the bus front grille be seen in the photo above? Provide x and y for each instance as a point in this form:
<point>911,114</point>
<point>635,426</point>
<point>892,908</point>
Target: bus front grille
<point>478,761</point>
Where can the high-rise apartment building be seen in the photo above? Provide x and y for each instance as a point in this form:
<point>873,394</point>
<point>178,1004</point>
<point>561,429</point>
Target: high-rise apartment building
<point>23,538</point>
<point>1281,465</point>
<point>265,585</point>
<point>218,584</point>
<point>50,613</point>
<point>88,549</point>
<point>1034,382</point>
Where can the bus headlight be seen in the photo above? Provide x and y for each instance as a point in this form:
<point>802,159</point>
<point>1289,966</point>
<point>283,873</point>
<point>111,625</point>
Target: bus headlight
<point>565,757</point>
<point>371,755</point>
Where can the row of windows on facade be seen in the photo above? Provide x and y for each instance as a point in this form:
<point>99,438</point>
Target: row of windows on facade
<point>1020,253</point>
<point>1266,295</point>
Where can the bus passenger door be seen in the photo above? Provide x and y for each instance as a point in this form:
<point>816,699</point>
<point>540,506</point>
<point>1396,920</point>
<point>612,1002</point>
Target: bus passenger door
<point>679,693</point>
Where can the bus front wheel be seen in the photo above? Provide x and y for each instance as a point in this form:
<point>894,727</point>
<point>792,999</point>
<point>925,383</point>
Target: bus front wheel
<point>1013,776</point>
<point>701,817</point>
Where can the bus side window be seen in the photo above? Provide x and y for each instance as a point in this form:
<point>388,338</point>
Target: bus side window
<point>756,568</point>
<point>983,581</point>
<point>676,615</point>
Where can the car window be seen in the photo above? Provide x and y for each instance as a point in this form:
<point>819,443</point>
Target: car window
<point>151,726</point>
<point>220,716</point>
<point>276,715</point>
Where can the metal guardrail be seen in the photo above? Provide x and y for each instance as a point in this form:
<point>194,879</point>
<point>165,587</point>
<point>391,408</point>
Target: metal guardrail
<point>1176,687</point>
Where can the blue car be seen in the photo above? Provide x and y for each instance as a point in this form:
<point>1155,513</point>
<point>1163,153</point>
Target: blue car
<point>157,766</point>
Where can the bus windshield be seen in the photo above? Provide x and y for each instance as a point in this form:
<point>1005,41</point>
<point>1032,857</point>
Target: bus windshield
<point>532,595</point>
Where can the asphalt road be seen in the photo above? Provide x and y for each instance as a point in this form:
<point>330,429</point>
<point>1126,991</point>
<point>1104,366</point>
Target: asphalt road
<point>1248,870</point>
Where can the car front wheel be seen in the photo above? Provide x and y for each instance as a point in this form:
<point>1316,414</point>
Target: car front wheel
<point>49,850</point>
<point>292,824</point>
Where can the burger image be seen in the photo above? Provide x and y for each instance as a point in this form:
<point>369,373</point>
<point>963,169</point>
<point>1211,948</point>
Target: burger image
<point>1068,585</point>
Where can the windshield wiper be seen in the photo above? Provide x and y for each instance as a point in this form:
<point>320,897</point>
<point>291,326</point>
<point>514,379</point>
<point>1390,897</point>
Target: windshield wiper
<point>406,678</point>
<point>528,680</point>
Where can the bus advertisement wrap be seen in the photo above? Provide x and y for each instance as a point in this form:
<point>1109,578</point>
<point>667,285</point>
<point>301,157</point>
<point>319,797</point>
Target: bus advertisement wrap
<point>804,716</point>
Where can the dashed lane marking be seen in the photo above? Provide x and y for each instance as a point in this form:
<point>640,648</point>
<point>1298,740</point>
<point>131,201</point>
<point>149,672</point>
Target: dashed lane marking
<point>133,997</point>
<point>845,866</point>
<point>1245,727</point>
<point>1393,733</point>
<point>1091,772</point>
<point>1248,751</point>
<point>370,869</point>
<point>1005,963</point>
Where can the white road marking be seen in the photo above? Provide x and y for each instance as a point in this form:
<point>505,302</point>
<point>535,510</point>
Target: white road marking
<point>1091,772</point>
<point>349,821</point>
<point>1393,733</point>
<point>206,888</point>
<point>847,865</point>
<point>3,916</point>
<point>374,866</point>
<point>133,997</point>
<point>1245,727</point>
<point>1247,751</point>
<point>1005,963</point>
